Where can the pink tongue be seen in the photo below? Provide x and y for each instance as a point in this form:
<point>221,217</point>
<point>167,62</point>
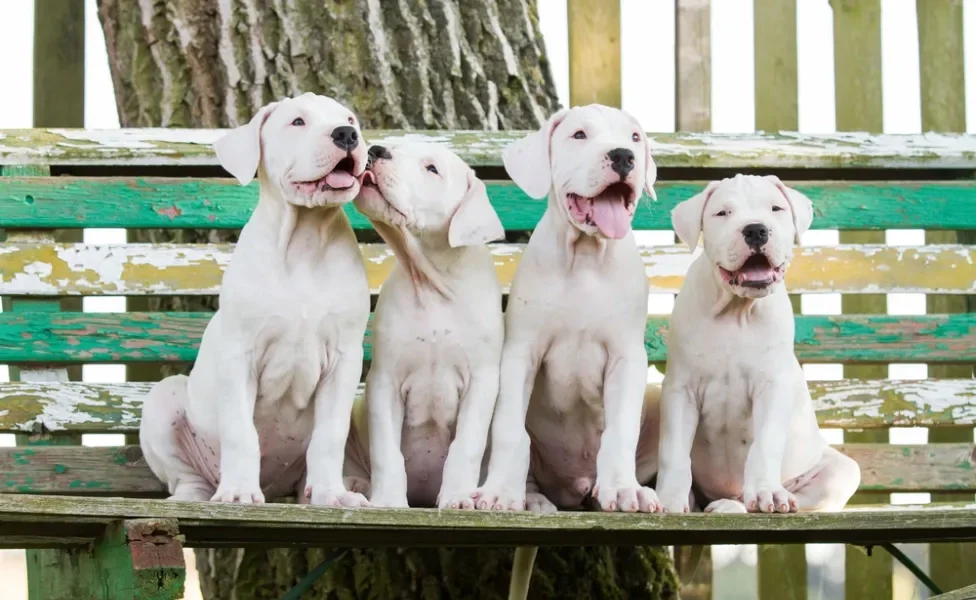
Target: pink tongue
<point>340,180</point>
<point>610,216</point>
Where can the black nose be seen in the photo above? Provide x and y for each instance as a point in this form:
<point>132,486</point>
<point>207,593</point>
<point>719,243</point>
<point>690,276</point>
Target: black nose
<point>345,137</point>
<point>755,234</point>
<point>377,152</point>
<point>621,161</point>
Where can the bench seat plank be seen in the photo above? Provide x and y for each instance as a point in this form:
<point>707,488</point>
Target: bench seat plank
<point>187,147</point>
<point>153,337</point>
<point>211,524</point>
<point>175,202</point>
<point>197,269</point>
<point>846,404</point>
<point>121,470</point>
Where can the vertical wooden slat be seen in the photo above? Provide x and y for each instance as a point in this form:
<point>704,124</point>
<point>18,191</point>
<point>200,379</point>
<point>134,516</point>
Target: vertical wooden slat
<point>693,112</point>
<point>782,570</point>
<point>943,96</point>
<point>858,99</point>
<point>59,101</point>
<point>594,52</point>
<point>693,65</point>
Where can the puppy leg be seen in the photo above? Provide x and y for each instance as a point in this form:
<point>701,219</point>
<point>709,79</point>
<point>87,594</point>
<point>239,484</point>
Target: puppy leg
<point>762,489</point>
<point>240,451</point>
<point>333,400</point>
<point>508,466</point>
<point>649,438</point>
<point>388,477</point>
<point>163,418</point>
<point>616,486</point>
<point>827,486</point>
<point>679,416</point>
<point>463,465</point>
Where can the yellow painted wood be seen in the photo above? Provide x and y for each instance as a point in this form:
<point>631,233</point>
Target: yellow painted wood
<point>693,65</point>
<point>197,269</point>
<point>943,102</point>
<point>857,77</point>
<point>594,52</point>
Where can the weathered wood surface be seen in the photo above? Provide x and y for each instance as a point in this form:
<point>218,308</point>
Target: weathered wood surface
<point>847,404</point>
<point>121,470</point>
<point>173,202</point>
<point>27,407</point>
<point>966,593</point>
<point>184,269</point>
<point>692,65</point>
<point>284,525</point>
<point>482,148</point>
<point>155,337</point>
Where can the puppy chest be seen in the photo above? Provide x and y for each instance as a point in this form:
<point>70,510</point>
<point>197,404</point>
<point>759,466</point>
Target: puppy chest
<point>574,367</point>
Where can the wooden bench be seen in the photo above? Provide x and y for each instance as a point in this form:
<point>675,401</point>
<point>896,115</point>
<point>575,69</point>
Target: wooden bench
<point>87,503</point>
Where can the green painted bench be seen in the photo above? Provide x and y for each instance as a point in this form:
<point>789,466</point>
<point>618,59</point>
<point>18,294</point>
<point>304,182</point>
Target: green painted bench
<point>84,509</point>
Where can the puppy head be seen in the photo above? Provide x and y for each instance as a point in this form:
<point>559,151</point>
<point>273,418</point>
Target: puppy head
<point>749,225</point>
<point>430,191</point>
<point>595,158</point>
<point>309,149</point>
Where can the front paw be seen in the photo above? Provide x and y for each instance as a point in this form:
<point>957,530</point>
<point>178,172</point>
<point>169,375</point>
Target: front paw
<point>726,506</point>
<point>238,492</point>
<point>538,503</point>
<point>768,499</point>
<point>323,496</point>
<point>388,501</point>
<point>498,498</point>
<point>630,498</point>
<point>455,500</point>
<point>674,502</point>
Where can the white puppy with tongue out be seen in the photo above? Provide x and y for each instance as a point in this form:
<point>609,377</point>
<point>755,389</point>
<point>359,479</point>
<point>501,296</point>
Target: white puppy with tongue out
<point>736,414</point>
<point>571,403</point>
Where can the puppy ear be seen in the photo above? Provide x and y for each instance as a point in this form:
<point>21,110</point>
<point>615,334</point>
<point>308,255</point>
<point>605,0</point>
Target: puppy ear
<point>475,221</point>
<point>800,205</point>
<point>527,160</point>
<point>686,217</point>
<point>239,151</point>
<point>651,167</point>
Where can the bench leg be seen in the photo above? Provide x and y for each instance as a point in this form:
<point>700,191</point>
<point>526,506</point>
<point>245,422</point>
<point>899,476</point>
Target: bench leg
<point>140,559</point>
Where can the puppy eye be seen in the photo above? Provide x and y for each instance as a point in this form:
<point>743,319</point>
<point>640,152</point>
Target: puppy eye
<point>579,135</point>
<point>352,121</point>
<point>432,169</point>
<point>298,122</point>
<point>777,208</point>
<point>722,213</point>
<point>635,137</point>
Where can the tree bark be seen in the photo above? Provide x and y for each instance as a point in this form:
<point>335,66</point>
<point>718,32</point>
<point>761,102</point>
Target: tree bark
<point>399,64</point>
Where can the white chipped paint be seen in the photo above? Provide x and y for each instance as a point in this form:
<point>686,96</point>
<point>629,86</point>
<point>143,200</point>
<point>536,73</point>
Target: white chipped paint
<point>136,139</point>
<point>955,397</point>
<point>68,405</point>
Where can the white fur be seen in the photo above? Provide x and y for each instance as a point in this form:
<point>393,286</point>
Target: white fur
<point>273,385</point>
<point>438,330</point>
<point>574,367</point>
<point>736,414</point>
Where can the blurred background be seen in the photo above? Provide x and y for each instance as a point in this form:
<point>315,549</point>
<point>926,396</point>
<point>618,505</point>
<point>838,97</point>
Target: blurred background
<point>648,91</point>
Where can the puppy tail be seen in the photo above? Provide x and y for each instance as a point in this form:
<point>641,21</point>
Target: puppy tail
<point>518,589</point>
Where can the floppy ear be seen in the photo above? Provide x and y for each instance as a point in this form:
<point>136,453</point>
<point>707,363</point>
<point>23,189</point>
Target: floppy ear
<point>686,218</point>
<point>651,175</point>
<point>527,160</point>
<point>800,205</point>
<point>239,151</point>
<point>475,221</point>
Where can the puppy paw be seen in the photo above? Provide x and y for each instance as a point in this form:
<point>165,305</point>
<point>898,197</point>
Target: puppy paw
<point>675,502</point>
<point>337,498</point>
<point>455,500</point>
<point>727,506</point>
<point>242,494</point>
<point>490,498</point>
<point>538,503</point>
<point>768,499</point>
<point>626,499</point>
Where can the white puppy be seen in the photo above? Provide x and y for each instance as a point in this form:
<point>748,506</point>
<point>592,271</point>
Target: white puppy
<point>736,414</point>
<point>437,332</point>
<point>273,385</point>
<point>574,366</point>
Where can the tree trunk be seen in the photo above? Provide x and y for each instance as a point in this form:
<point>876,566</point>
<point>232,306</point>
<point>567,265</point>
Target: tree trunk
<point>412,64</point>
